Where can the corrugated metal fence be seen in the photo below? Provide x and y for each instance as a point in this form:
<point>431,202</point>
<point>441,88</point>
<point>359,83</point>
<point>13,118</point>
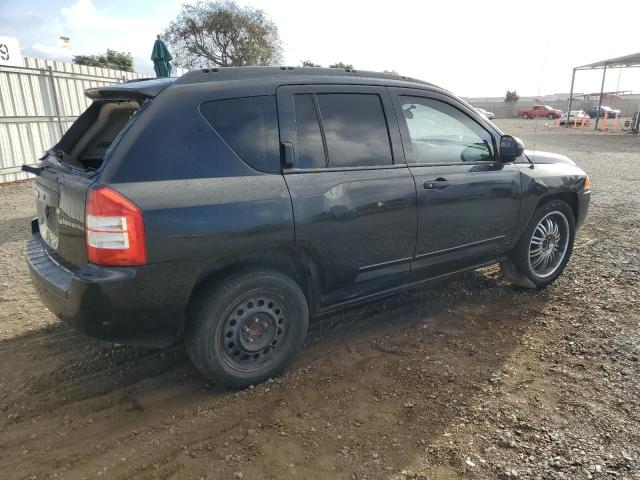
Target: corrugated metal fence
<point>38,103</point>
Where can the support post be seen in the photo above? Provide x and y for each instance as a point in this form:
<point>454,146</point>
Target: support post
<point>604,74</point>
<point>54,94</point>
<point>573,78</point>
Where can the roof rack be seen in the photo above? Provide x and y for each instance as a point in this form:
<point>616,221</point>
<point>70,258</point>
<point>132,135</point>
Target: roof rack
<point>241,73</point>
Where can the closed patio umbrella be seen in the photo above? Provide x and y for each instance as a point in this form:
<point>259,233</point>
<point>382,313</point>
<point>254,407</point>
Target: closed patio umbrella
<point>161,59</point>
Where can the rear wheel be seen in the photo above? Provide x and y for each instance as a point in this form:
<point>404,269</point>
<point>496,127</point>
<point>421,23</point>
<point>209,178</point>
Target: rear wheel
<point>525,116</point>
<point>247,328</point>
<point>545,247</point>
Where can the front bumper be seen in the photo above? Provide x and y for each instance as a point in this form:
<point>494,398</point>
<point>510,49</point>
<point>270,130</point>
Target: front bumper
<point>584,198</point>
<point>136,306</point>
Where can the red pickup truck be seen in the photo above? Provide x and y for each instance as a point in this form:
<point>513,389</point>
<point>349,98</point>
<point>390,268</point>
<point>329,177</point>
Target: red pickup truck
<point>539,111</point>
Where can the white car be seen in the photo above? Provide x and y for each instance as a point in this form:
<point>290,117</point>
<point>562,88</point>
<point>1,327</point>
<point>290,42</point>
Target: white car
<point>488,115</point>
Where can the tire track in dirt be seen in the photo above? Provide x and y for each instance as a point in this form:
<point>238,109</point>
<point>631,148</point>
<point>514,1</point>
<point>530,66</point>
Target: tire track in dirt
<point>156,405</point>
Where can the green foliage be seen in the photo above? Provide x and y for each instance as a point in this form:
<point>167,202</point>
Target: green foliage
<point>222,34</point>
<point>112,59</point>
<point>512,96</point>
<point>309,63</point>
<point>341,65</point>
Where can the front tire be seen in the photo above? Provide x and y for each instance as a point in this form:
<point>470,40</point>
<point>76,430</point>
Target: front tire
<point>525,116</point>
<point>545,247</point>
<point>247,327</point>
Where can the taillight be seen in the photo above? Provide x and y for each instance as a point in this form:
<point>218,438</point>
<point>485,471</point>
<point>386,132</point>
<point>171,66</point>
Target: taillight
<point>115,229</point>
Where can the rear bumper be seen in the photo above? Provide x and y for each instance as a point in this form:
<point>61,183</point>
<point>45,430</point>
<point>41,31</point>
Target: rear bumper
<point>137,306</point>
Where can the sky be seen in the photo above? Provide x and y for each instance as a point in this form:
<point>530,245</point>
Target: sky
<point>472,48</point>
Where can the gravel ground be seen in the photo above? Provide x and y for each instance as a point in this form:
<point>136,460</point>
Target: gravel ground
<point>466,379</point>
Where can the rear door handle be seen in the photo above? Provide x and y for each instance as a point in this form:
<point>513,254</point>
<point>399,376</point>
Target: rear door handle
<point>437,184</point>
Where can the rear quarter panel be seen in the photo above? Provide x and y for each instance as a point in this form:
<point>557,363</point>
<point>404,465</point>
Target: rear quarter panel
<point>212,218</point>
<point>199,199</point>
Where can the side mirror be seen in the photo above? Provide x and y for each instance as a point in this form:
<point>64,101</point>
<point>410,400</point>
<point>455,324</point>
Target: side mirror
<point>510,148</point>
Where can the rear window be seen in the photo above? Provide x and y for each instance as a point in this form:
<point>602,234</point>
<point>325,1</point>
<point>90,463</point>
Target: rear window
<point>87,141</point>
<point>249,125</point>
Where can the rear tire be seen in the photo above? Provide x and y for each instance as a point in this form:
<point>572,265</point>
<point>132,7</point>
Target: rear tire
<point>525,116</point>
<point>545,247</point>
<point>247,327</point>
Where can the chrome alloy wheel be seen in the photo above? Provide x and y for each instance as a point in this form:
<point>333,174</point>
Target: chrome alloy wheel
<point>254,332</point>
<point>549,244</point>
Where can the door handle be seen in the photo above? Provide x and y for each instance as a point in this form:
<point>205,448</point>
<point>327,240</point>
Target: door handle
<point>437,184</point>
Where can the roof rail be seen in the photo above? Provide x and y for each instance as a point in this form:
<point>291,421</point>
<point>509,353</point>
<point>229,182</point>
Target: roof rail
<point>241,73</point>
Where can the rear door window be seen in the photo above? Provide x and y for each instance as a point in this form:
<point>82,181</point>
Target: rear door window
<point>311,152</point>
<point>249,125</point>
<point>355,129</point>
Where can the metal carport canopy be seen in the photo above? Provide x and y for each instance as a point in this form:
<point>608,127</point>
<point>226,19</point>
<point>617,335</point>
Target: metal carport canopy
<point>627,61</point>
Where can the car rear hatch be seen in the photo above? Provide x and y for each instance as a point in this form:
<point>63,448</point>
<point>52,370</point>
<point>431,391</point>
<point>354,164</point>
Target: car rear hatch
<point>66,172</point>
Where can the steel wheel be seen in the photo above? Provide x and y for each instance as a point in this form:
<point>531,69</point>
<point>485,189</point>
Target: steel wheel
<point>548,244</point>
<point>254,331</point>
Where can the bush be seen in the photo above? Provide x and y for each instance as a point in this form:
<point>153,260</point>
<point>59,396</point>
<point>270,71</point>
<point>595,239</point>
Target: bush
<point>512,96</point>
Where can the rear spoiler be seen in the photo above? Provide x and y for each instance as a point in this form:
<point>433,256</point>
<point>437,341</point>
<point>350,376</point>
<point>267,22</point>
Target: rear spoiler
<point>134,90</point>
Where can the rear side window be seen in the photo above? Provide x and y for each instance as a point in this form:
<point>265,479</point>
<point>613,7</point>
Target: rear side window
<point>310,147</point>
<point>355,129</point>
<point>249,125</point>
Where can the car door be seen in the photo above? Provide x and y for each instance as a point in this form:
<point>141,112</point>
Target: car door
<point>354,198</point>
<point>468,202</point>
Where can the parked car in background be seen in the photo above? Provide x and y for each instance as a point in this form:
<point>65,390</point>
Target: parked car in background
<point>228,206</point>
<point>593,112</point>
<point>540,111</point>
<point>578,115</point>
<point>483,112</point>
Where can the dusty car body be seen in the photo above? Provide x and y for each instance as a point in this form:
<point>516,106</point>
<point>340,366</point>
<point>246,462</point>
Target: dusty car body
<point>227,207</point>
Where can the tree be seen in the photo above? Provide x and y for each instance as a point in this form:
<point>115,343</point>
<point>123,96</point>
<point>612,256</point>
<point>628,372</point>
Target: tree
<point>221,34</point>
<point>512,96</point>
<point>341,65</point>
<point>309,63</point>
<point>112,59</point>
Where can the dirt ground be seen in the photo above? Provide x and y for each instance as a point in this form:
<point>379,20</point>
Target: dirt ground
<point>467,379</point>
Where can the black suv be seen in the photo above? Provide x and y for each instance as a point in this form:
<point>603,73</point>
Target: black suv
<point>226,207</point>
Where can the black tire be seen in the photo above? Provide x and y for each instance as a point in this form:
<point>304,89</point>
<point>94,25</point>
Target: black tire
<point>550,116</point>
<point>525,116</point>
<point>220,337</point>
<point>518,266</point>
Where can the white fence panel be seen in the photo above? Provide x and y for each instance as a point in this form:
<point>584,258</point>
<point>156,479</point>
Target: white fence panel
<point>30,123</point>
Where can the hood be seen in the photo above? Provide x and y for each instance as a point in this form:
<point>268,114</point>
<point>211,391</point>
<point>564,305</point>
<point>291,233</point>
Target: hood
<point>548,157</point>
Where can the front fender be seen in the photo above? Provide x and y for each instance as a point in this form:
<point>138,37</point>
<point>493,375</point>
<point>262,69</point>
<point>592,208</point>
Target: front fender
<point>552,180</point>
